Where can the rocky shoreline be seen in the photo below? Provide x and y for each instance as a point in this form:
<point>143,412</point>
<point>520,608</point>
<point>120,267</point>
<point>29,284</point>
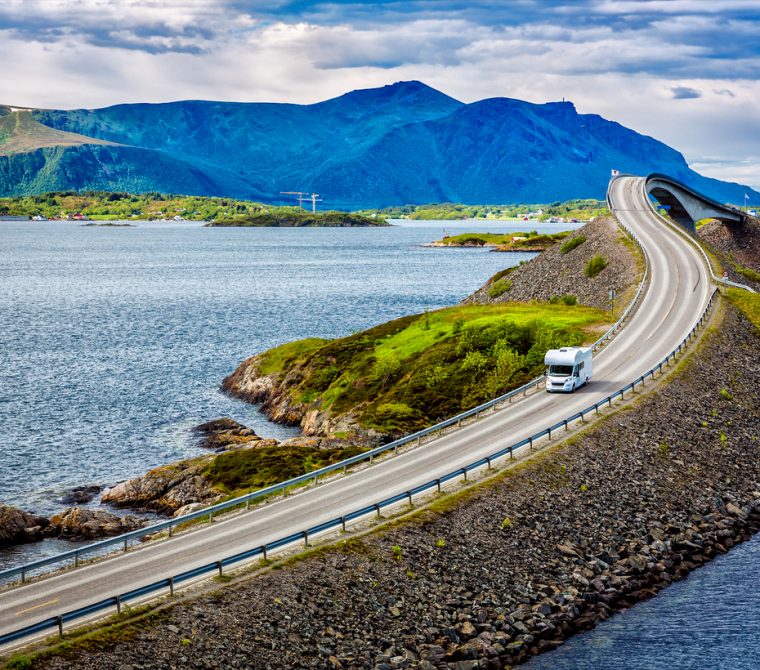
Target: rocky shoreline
<point>511,567</point>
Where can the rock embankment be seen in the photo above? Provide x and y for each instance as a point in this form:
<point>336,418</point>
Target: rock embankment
<point>738,248</point>
<point>554,273</point>
<point>513,567</point>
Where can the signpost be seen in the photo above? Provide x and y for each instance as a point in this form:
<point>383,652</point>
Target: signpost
<point>725,279</point>
<point>612,300</point>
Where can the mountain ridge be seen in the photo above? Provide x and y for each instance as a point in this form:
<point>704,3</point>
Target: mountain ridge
<point>404,143</point>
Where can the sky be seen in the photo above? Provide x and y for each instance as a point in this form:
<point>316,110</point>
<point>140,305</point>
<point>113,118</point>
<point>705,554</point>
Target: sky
<point>684,71</point>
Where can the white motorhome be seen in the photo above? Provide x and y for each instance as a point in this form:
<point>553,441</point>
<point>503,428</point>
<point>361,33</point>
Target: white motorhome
<point>567,369</point>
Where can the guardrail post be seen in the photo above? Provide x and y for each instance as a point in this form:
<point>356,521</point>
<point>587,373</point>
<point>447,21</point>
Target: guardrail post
<point>23,577</point>
<point>76,559</point>
<point>409,494</point>
<point>488,461</point>
<point>343,523</point>
<point>118,604</point>
<point>211,517</point>
<point>170,530</point>
<point>60,626</point>
<point>125,544</point>
<point>530,443</point>
<point>438,484</point>
<point>370,459</point>
<point>377,507</point>
<point>566,428</point>
<point>171,586</point>
<point>464,472</point>
<point>220,568</point>
<point>306,538</point>
<point>247,504</point>
<point>264,551</point>
<point>511,454</point>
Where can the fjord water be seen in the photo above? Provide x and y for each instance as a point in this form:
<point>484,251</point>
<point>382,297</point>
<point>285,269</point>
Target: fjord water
<point>115,340</point>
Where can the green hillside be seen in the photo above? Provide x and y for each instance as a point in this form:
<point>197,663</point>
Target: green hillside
<point>20,133</point>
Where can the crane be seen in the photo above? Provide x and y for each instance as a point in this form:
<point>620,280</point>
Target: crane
<point>300,195</point>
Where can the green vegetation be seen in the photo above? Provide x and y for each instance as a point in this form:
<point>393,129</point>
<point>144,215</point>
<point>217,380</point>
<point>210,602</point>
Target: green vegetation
<point>499,287</point>
<point>572,209</point>
<point>749,273</point>
<point>595,266</point>
<point>724,393</point>
<point>747,302</point>
<point>531,241</point>
<point>104,205</point>
<point>507,523</point>
<point>409,373</point>
<point>20,133</point>
<point>248,469</point>
<point>572,243</point>
<point>288,217</point>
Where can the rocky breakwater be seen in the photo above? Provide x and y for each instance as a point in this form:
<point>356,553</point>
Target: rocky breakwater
<point>511,567</point>
<point>561,270</point>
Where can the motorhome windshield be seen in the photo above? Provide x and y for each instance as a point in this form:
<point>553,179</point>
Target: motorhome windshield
<point>560,370</point>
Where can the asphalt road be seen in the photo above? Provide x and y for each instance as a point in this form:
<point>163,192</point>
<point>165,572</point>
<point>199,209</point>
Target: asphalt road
<point>678,292</point>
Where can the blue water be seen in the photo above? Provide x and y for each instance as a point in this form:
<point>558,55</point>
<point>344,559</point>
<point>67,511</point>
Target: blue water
<point>115,340</point>
<point>709,620</point>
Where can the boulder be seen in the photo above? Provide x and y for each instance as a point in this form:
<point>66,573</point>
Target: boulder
<point>80,495</point>
<point>77,523</point>
<point>18,526</point>
<point>224,433</point>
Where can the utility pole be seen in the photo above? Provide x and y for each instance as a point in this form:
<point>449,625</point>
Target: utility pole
<point>314,199</point>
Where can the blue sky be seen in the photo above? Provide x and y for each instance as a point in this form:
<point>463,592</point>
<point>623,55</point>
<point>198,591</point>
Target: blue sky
<point>684,71</point>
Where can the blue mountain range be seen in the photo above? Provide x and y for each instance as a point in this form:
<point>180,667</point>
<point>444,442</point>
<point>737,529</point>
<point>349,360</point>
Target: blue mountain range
<point>399,144</point>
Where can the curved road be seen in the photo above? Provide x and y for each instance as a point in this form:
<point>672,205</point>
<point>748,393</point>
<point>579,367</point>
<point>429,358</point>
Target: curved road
<point>678,291</point>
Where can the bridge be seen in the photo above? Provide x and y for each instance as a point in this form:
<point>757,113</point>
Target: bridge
<point>686,206</point>
<point>673,300</point>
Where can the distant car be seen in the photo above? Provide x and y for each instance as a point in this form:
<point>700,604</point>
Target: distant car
<point>568,368</point>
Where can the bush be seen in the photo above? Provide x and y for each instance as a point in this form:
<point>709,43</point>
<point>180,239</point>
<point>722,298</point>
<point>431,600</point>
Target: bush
<point>566,299</point>
<point>572,243</point>
<point>595,266</point>
<point>500,287</point>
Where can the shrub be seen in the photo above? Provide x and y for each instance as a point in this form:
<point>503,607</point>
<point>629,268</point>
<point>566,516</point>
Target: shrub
<point>499,287</point>
<point>385,367</point>
<point>726,395</point>
<point>572,243</point>
<point>595,266</point>
<point>440,543</point>
<point>507,523</point>
<point>567,299</point>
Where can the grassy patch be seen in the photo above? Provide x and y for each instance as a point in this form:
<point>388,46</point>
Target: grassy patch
<point>406,374</point>
<point>572,243</point>
<point>747,302</point>
<point>499,287</point>
<point>247,469</point>
<point>276,359</point>
<point>595,265</point>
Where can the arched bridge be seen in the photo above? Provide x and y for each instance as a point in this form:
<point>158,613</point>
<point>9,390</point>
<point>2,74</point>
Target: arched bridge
<point>686,206</point>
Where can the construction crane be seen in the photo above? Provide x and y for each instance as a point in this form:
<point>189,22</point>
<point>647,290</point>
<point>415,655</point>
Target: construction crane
<point>314,197</point>
<point>300,195</point>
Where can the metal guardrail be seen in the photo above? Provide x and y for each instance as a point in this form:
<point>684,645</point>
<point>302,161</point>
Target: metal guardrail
<point>341,521</point>
<point>125,539</point>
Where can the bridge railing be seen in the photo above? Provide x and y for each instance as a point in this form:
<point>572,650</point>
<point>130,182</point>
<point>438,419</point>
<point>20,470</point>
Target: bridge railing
<point>262,551</point>
<point>126,540</point>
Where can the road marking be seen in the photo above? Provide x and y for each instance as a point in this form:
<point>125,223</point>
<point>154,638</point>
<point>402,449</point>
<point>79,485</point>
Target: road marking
<point>36,607</point>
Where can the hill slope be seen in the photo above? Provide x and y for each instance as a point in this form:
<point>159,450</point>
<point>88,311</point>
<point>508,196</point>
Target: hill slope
<point>404,143</point>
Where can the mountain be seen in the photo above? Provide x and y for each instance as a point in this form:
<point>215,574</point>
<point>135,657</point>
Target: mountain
<point>402,143</point>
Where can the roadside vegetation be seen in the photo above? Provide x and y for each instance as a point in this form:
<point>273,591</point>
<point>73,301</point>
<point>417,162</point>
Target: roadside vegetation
<point>749,303</point>
<point>409,373</point>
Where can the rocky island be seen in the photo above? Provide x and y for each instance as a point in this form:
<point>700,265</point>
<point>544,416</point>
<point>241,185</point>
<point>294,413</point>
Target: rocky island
<point>300,219</point>
<point>531,241</point>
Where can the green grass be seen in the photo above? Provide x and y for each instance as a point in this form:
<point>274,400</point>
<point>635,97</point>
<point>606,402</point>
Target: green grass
<point>288,217</point>
<point>275,359</point>
<point>747,302</point>
<point>499,287</point>
<point>408,373</point>
<point>572,243</point>
<point>595,266</point>
<point>249,469</point>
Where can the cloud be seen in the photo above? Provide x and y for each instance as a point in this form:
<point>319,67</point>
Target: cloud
<point>685,93</point>
<point>629,60</point>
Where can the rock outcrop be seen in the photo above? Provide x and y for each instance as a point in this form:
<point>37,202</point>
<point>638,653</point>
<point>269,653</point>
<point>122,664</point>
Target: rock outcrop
<point>165,489</point>
<point>18,526</point>
<point>224,433</point>
<point>79,523</point>
<point>738,248</point>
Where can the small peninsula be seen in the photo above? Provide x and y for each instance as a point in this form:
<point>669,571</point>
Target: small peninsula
<point>531,241</point>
